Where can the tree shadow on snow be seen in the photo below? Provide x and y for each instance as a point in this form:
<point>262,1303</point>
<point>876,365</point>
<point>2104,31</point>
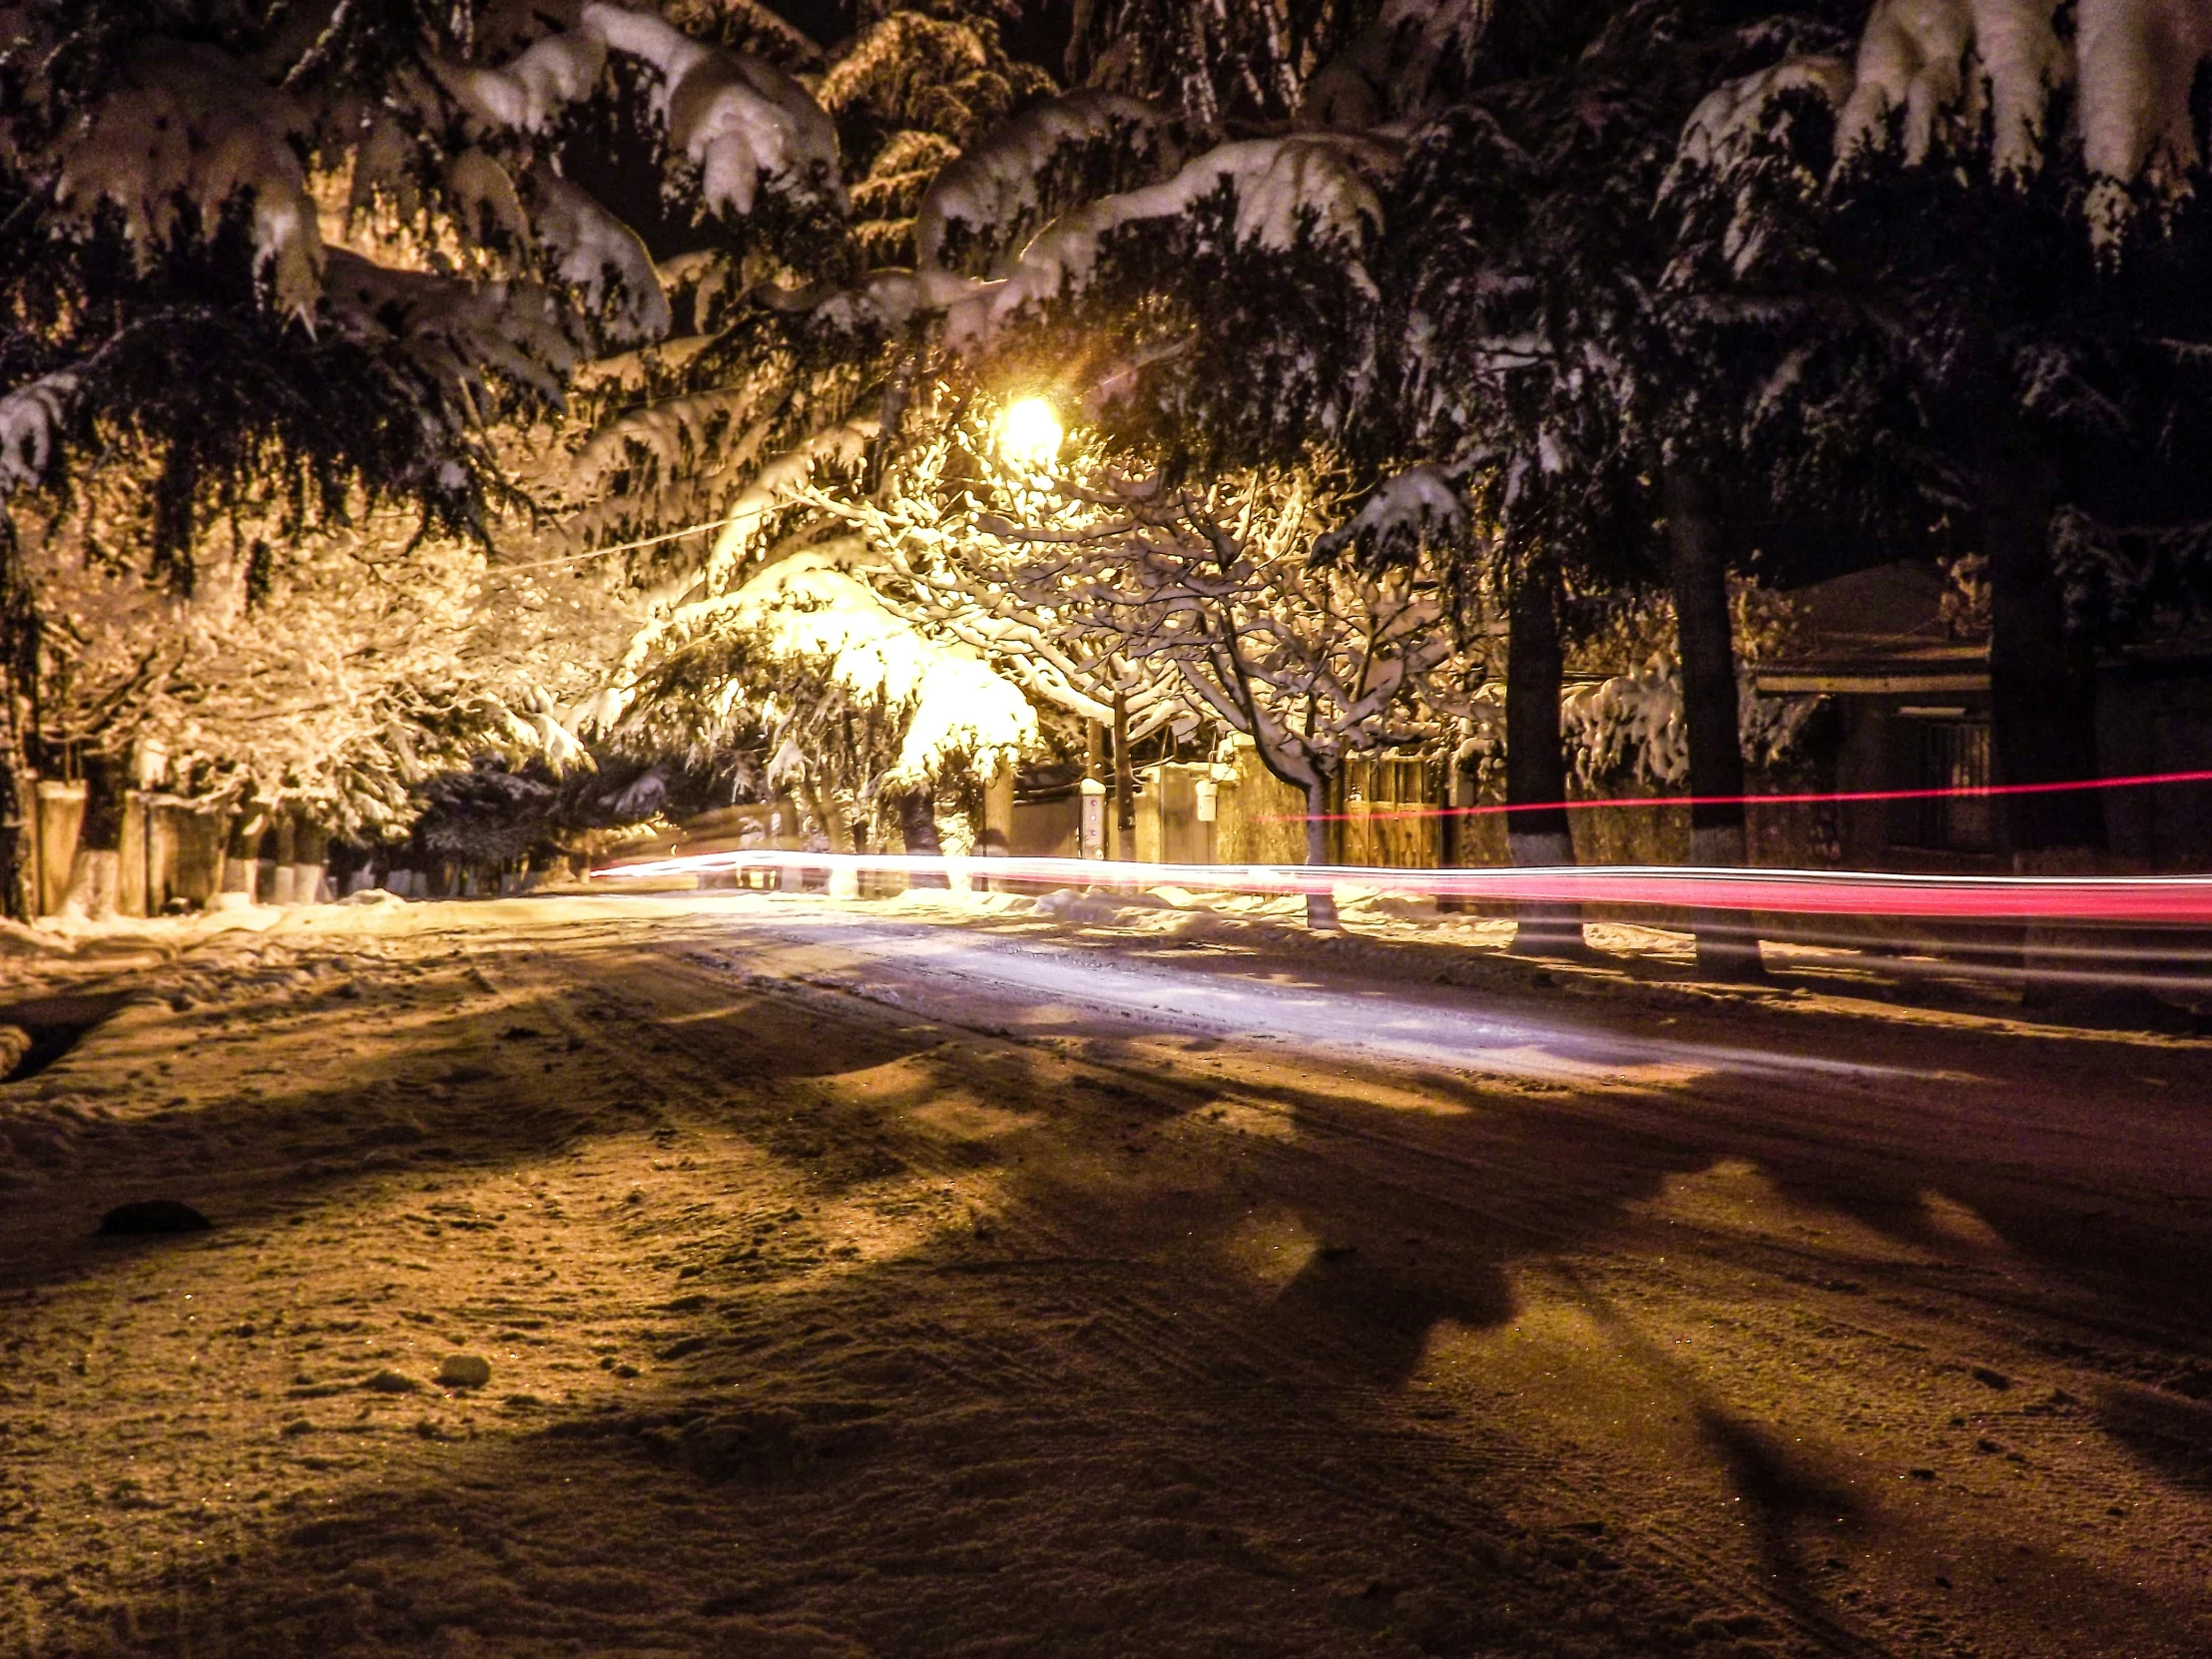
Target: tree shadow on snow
<point>1171,1417</point>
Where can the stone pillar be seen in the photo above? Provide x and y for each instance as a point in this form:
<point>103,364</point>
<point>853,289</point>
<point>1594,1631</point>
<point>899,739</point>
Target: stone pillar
<point>60,811</point>
<point>310,853</point>
<point>997,838</point>
<point>137,885</point>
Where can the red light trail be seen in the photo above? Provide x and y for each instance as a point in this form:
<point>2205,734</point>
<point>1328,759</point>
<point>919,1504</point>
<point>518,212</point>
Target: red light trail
<point>1978,792</point>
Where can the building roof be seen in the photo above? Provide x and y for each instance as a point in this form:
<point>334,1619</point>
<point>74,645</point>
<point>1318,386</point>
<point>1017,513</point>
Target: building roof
<point>1876,631</point>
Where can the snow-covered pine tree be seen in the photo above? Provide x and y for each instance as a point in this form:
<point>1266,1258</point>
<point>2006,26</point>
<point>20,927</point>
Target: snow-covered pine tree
<point>290,258</point>
<point>1930,276</point>
<point>799,344</point>
<point>1472,284</point>
<point>805,678</point>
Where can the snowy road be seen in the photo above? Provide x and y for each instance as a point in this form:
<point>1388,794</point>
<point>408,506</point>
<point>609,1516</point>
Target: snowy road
<point>938,969</point>
<point>868,1279</point>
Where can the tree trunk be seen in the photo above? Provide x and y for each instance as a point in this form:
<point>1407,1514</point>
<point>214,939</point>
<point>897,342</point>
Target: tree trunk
<point>1727,940</point>
<point>21,875</point>
<point>840,881</point>
<point>1125,786</point>
<point>1460,792</point>
<point>96,875</point>
<point>917,828</point>
<point>311,858</point>
<point>17,868</point>
<point>1320,905</point>
<point>2042,683</point>
<point>1535,754</point>
<point>2042,714</point>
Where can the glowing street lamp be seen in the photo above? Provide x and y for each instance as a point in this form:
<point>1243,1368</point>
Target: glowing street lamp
<point>1030,433</point>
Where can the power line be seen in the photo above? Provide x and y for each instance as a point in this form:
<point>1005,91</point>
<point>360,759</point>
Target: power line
<point>603,552</point>
<point>1970,791</point>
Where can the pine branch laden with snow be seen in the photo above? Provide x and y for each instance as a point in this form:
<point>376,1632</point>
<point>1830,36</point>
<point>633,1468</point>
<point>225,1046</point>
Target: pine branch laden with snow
<point>273,195</point>
<point>1400,65</point>
<point>1253,63</point>
<point>1940,68</point>
<point>30,418</point>
<point>532,92</point>
<point>997,189</point>
<point>910,70</point>
<point>1402,519</point>
<point>462,336</point>
<point>189,129</point>
<point>740,120</point>
<point>601,257</point>
<point>1301,185</point>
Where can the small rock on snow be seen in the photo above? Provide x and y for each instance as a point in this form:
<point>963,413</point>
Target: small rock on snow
<point>151,1216</point>
<point>463,1371</point>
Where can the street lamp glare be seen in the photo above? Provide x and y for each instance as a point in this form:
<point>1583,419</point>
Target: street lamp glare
<point>1030,433</point>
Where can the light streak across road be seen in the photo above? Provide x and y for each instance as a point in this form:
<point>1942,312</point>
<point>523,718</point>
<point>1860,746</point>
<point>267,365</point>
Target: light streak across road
<point>2134,901</point>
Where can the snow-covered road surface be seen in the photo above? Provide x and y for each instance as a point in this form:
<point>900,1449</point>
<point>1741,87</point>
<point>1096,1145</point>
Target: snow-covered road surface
<point>939,969</point>
<point>885,1280</point>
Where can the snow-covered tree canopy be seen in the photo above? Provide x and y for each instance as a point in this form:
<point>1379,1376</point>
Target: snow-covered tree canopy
<point>1930,77</point>
<point>1213,581</point>
<point>801,331</point>
<point>346,229</point>
<point>928,561</point>
<point>1905,333</point>
<point>333,681</point>
<point>804,676</point>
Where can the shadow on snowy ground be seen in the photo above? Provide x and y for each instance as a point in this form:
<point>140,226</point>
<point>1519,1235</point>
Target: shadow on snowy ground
<point>823,1328</point>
